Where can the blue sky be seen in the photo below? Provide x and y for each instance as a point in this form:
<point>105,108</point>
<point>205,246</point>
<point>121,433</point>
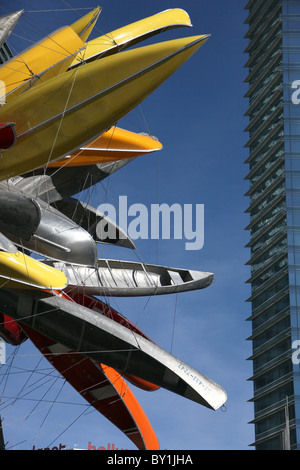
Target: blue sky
<point>198,115</point>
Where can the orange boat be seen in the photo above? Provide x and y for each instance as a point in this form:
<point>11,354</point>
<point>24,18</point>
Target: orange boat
<point>114,144</point>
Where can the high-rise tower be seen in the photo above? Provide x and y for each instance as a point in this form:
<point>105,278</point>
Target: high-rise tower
<point>274,207</point>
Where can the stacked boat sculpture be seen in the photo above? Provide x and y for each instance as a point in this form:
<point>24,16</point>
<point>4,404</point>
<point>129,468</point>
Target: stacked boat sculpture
<point>63,97</point>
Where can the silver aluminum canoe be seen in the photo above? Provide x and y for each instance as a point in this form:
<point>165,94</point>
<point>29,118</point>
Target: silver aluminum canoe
<point>102,339</point>
<point>36,226</point>
<point>129,279</point>
<point>51,185</point>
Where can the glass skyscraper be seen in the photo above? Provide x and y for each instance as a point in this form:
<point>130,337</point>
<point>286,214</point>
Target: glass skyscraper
<point>274,218</point>
<point>5,53</point>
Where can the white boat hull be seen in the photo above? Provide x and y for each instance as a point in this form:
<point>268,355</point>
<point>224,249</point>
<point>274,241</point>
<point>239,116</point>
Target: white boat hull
<point>108,342</point>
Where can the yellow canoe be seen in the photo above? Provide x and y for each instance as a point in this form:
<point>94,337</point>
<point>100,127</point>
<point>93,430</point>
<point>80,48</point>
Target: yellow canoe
<point>46,59</point>
<point>84,26</point>
<point>114,144</point>
<point>131,34</point>
<point>19,271</point>
<point>67,112</point>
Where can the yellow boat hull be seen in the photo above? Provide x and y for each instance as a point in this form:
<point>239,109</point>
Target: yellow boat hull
<point>47,58</point>
<point>56,118</point>
<point>84,26</point>
<point>18,271</point>
<point>131,34</point>
<point>113,145</point>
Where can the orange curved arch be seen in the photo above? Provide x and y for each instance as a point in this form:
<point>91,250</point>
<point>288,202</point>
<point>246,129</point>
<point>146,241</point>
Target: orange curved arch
<point>144,438</point>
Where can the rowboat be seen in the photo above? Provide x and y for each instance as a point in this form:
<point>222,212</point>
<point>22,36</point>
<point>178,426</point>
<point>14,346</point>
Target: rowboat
<point>112,344</point>
<point>114,144</point>
<point>49,117</point>
<point>46,59</point>
<point>129,279</point>
<point>122,38</point>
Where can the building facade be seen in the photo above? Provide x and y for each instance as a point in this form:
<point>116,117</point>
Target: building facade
<point>273,161</point>
<point>5,53</point>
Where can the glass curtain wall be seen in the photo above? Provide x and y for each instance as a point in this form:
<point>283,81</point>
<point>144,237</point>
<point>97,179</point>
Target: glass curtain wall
<point>291,81</point>
<point>274,211</point>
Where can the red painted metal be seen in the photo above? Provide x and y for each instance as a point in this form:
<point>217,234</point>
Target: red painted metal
<point>8,135</point>
<point>10,331</point>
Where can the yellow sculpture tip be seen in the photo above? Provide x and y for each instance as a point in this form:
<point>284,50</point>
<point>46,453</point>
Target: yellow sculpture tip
<point>84,25</point>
